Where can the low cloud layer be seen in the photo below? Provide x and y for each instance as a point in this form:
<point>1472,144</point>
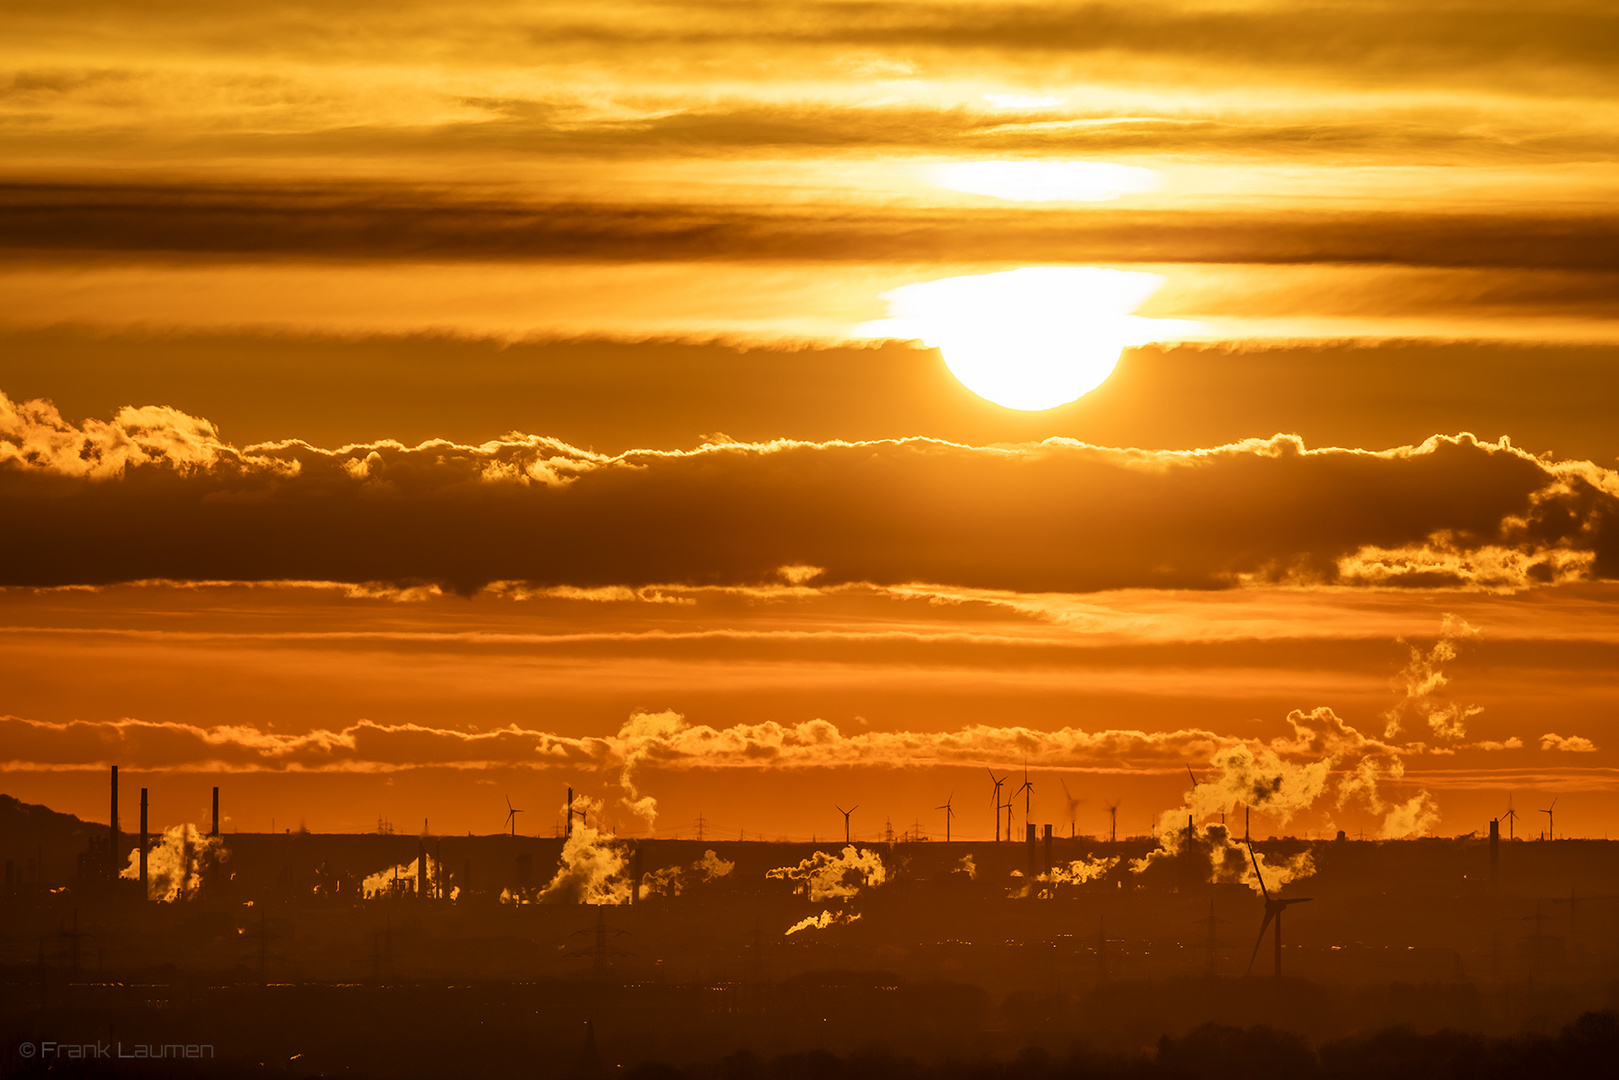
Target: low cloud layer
<point>157,494</point>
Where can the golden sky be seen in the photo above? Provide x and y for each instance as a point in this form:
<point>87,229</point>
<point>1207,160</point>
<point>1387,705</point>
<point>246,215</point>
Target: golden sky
<point>407,405</point>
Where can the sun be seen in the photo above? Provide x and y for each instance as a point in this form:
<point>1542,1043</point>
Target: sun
<point>1028,339</point>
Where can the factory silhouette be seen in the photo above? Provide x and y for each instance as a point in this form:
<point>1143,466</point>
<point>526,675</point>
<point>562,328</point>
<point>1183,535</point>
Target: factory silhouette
<point>580,953</point>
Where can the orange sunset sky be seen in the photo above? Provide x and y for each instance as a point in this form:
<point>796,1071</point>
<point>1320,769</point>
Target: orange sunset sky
<point>408,406</point>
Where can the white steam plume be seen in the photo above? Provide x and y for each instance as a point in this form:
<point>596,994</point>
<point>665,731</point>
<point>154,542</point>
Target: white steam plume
<point>591,871</point>
<point>822,921</point>
<point>828,877</point>
<point>177,865</point>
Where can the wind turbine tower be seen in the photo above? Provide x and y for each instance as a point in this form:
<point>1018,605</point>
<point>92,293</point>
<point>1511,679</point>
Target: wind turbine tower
<point>1551,831</point>
<point>511,815</point>
<point>846,813</point>
<point>1073,806</point>
<point>995,801</point>
<point>948,814</point>
<point>1274,906</point>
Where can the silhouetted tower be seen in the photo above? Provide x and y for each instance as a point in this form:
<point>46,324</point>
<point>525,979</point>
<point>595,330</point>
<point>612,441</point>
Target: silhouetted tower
<point>995,801</point>
<point>1274,907</point>
<point>846,813</point>
<point>1495,850</point>
<point>568,830</point>
<point>144,844</point>
<point>1551,832</point>
<point>949,813</point>
<point>636,875</point>
<point>1113,822</point>
<point>1045,862</point>
<point>112,852</point>
<point>1034,852</point>
<point>421,869</point>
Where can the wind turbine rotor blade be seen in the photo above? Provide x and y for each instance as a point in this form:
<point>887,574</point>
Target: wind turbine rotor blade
<point>1259,874</point>
<point>1260,940</point>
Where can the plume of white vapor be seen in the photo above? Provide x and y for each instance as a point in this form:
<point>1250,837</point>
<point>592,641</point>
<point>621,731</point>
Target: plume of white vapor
<point>176,866</point>
<point>638,741</point>
<point>591,871</point>
<point>822,921</point>
<point>1421,680</point>
<point>400,880</point>
<point>834,877</point>
<point>1077,872</point>
<point>967,867</point>
<point>670,880</point>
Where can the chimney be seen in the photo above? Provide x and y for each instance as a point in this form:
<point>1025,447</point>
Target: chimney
<point>144,893</point>
<point>112,854</point>
<point>1034,852</point>
<point>569,830</point>
<point>214,831</point>
<point>1495,849</point>
<point>421,869</point>
<point>635,875</point>
<point>1047,866</point>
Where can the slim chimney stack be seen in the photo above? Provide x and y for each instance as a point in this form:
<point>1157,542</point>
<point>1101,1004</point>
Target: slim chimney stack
<point>112,852</point>
<point>1047,866</point>
<point>569,830</point>
<point>214,830</point>
<point>1495,849</point>
<point>421,869</point>
<point>1034,852</point>
<point>144,893</point>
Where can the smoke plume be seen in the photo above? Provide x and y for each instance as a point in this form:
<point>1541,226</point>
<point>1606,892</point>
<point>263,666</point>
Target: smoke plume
<point>591,871</point>
<point>834,877</point>
<point>400,880</point>
<point>822,921</point>
<point>1077,872</point>
<point>1421,680</point>
<point>670,880</point>
<point>178,864</point>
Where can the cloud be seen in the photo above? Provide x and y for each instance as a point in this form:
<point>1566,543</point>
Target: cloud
<point>1046,517</point>
<point>381,221</point>
<point>1576,744</point>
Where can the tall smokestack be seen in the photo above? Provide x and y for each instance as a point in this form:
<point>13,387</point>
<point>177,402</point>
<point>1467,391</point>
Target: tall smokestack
<point>1495,849</point>
<point>144,893</point>
<point>1047,867</point>
<point>635,875</point>
<point>421,869</point>
<point>1034,852</point>
<point>569,830</point>
<point>112,853</point>
<point>214,829</point>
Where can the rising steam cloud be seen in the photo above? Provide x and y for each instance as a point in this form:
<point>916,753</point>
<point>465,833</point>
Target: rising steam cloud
<point>834,877</point>
<point>401,880</point>
<point>671,880</point>
<point>179,863</point>
<point>591,872</point>
<point>1077,872</point>
<point>822,921</point>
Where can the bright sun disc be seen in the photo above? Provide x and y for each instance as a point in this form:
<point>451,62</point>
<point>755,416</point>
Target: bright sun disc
<point>1028,339</point>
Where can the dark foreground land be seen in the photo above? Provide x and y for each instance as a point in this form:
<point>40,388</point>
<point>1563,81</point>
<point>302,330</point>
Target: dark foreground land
<point>1415,958</point>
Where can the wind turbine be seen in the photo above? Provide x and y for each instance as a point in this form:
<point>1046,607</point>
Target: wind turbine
<point>846,814</point>
<point>1113,819</point>
<point>1027,791</point>
<point>511,815</point>
<point>1073,805</point>
<point>948,814</point>
<point>1512,816</point>
<point>1274,906</point>
<point>1550,821</point>
<point>995,801</point>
